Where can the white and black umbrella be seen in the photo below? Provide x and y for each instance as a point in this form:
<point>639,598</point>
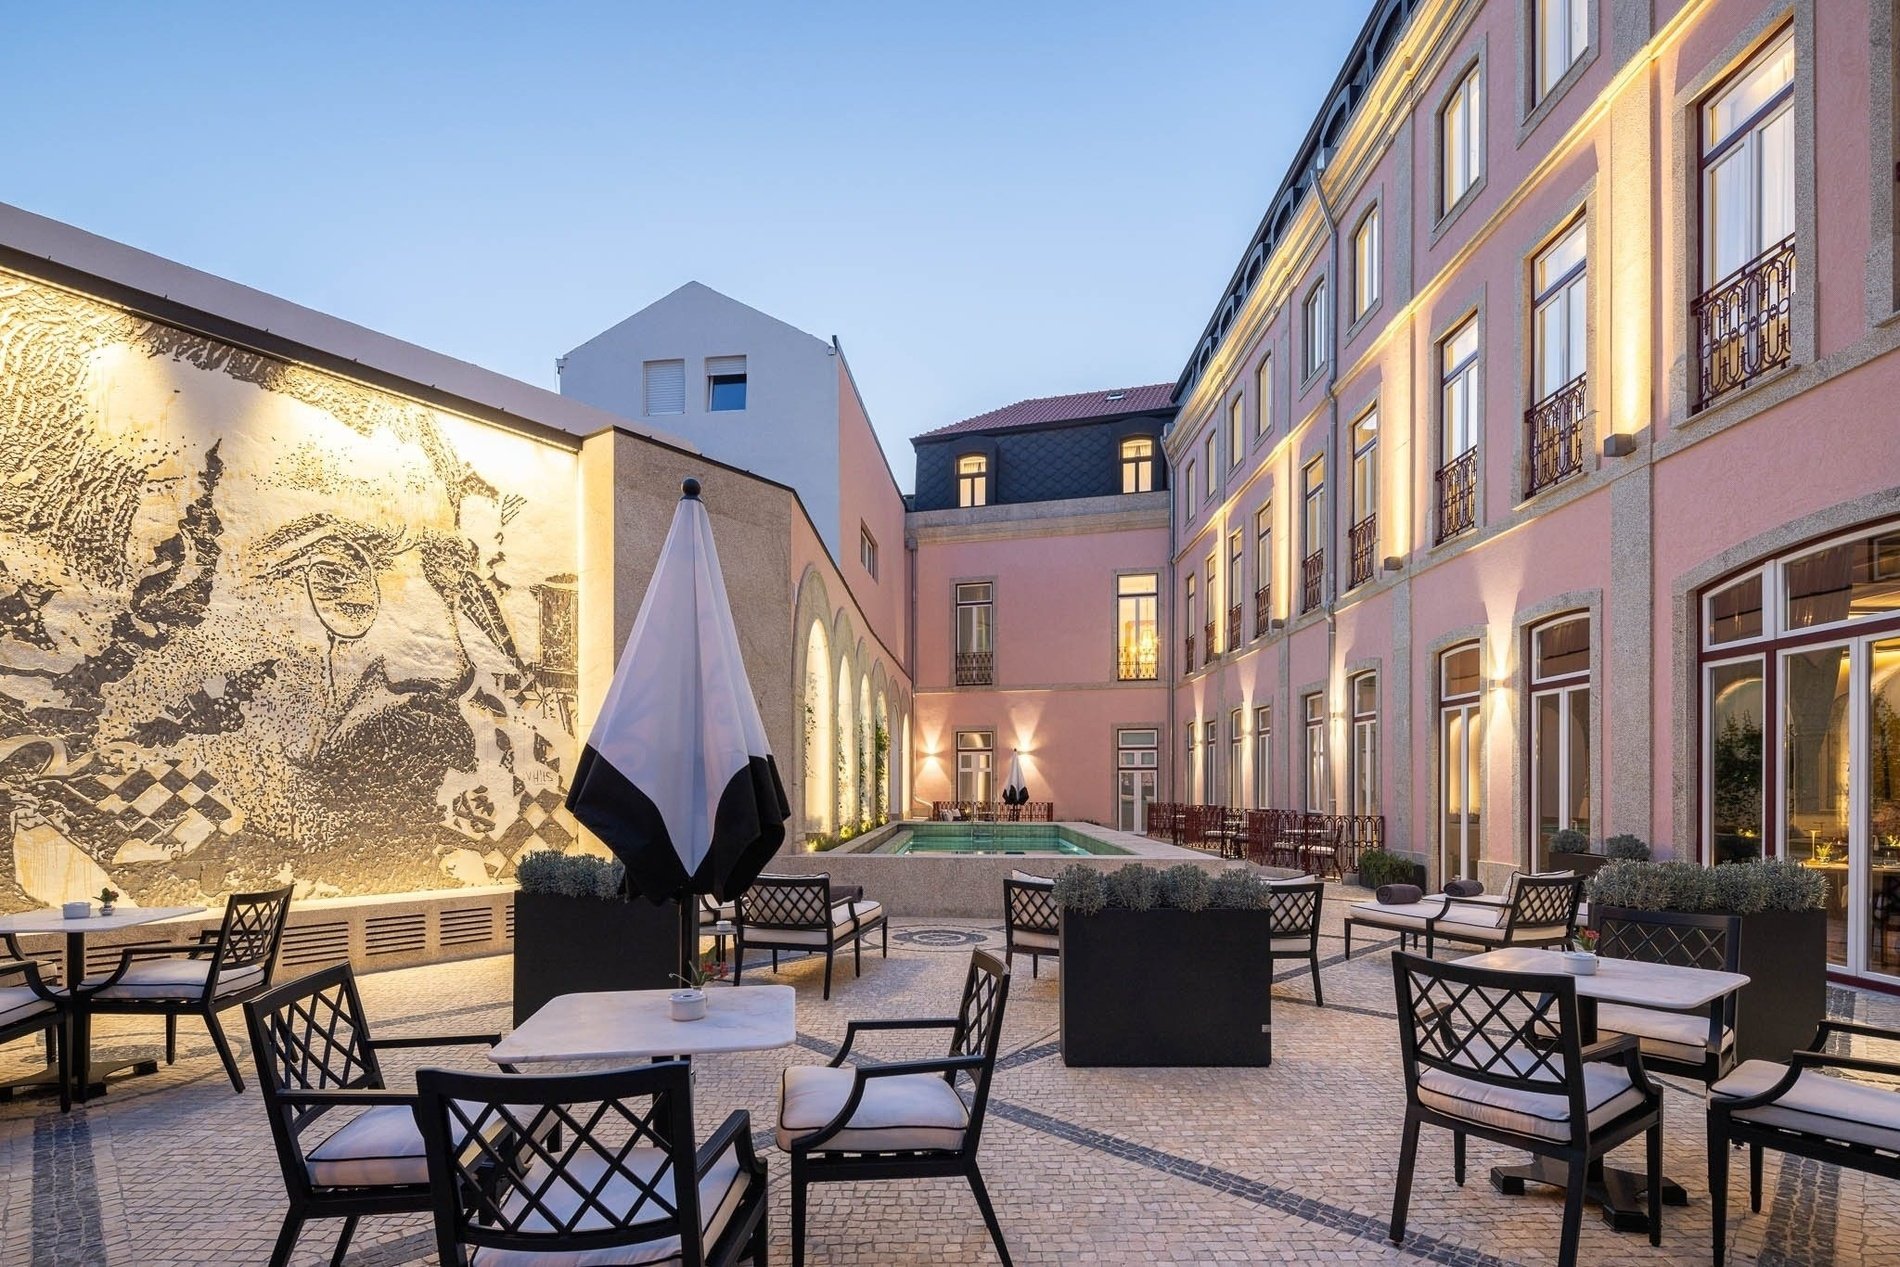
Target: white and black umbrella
<point>1015,791</point>
<point>677,777</point>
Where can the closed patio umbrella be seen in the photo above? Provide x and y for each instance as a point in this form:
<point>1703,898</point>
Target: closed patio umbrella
<point>1015,791</point>
<point>676,776</point>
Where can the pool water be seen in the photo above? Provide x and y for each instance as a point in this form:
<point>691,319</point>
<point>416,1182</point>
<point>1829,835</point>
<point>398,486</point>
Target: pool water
<point>998,838</point>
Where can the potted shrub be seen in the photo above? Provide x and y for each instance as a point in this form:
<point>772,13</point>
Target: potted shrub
<point>1570,851</point>
<point>1784,937</point>
<point>1165,967</point>
<point>1381,866</point>
<point>576,929</point>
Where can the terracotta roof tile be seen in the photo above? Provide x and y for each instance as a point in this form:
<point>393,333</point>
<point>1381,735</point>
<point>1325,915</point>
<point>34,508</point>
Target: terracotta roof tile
<point>1043,409</point>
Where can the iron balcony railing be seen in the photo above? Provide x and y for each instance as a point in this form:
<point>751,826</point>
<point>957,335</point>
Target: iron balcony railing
<point>1363,539</point>
<point>1312,569</point>
<point>1187,655</point>
<point>1743,324</point>
<point>1457,488</point>
<point>1233,627</point>
<point>975,668</point>
<point>1262,610</point>
<point>1139,663</point>
<point>1554,437</point>
<point>1207,641</point>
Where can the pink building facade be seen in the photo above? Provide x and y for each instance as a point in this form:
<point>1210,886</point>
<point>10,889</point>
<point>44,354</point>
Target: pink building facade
<point>1538,468</point>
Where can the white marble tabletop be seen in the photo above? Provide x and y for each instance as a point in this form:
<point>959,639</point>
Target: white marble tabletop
<point>51,921</point>
<point>1657,985</point>
<point>637,1025</point>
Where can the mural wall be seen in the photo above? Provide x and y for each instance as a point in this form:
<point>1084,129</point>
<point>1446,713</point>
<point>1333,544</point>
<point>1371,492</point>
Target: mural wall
<point>260,624</point>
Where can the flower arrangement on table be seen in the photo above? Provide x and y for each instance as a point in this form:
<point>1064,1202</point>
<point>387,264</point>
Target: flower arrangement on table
<point>1585,941</point>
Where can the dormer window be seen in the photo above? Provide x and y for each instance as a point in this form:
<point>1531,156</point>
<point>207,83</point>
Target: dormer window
<point>973,480</point>
<point>1138,465</point>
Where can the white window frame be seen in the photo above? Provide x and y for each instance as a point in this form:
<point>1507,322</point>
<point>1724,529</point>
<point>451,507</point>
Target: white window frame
<point>1317,332</point>
<point>1262,756</point>
<point>973,483</point>
<point>1461,141</point>
<point>1563,299</point>
<point>1365,263</point>
<point>1263,389</point>
<point>1560,34</point>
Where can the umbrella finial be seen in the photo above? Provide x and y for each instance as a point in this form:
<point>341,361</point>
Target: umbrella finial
<point>689,489</point>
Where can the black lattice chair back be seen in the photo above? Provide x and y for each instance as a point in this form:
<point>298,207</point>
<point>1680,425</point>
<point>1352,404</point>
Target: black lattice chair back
<point>784,901</point>
<point>979,1032</point>
<point>569,1164</point>
<point>252,929</point>
<point>1031,905</point>
<point>1670,937</point>
<point>309,1035</point>
<point>1293,909</point>
<point>1516,1030</point>
<point>1545,901</point>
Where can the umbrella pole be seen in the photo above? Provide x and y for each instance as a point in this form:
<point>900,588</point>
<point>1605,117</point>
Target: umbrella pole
<point>689,936</point>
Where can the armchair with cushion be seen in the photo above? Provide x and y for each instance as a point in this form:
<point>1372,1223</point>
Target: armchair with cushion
<point>1539,910</point>
<point>29,1006</point>
<point>1031,922</point>
<point>799,913</point>
<point>1698,1045</point>
<point>1295,907</point>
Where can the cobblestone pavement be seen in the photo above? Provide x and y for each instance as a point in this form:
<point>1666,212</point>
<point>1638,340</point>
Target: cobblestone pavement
<point>1292,1164</point>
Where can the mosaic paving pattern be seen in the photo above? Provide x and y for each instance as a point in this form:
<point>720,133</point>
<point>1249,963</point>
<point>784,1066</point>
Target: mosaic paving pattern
<point>1292,1164</point>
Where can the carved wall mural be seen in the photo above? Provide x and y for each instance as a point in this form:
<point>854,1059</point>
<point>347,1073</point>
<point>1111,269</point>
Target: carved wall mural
<point>260,623</point>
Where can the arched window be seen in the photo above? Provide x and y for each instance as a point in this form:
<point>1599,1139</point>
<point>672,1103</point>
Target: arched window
<point>1138,465</point>
<point>973,480</point>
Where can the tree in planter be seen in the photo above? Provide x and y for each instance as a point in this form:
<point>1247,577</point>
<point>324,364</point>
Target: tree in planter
<point>1569,840</point>
<point>1379,867</point>
<point>881,764</point>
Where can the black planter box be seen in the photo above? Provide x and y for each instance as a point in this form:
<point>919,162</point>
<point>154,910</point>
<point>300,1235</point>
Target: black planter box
<point>567,945</point>
<point>1167,987</point>
<point>1784,954</point>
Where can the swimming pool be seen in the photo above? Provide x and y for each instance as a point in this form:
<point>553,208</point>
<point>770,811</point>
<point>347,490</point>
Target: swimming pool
<point>998,838</point>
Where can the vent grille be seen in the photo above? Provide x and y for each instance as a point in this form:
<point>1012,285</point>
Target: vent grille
<point>315,945</point>
<point>396,934</point>
<point>508,921</point>
<point>468,925</point>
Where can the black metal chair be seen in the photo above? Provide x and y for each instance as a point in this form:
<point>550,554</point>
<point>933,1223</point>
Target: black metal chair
<point>318,1068</point>
<point>1500,1055</point>
<point>1031,922</point>
<point>33,1007</point>
<point>586,1168</point>
<point>796,913</point>
<point>221,970</point>
<point>1800,1109</point>
<point>908,1119</point>
<point>1699,1045</point>
<point>1293,931</point>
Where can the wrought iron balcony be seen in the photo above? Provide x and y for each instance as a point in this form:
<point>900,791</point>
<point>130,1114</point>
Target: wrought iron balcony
<point>1312,569</point>
<point>975,668</point>
<point>1743,324</point>
<point>1262,610</point>
<point>1207,635</point>
<point>1553,440</point>
<point>1363,540</point>
<point>1187,656</point>
<point>1457,489</point>
<point>1140,662</point>
<point>1233,627</point>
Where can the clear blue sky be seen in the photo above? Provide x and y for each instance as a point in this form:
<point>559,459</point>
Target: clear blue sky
<point>984,201</point>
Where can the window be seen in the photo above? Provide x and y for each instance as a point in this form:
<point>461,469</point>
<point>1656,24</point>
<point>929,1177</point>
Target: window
<point>1560,732</point>
<point>1460,143</point>
<point>1263,756</point>
<point>725,383</point>
<point>1193,730</point>
<point>975,664</point>
<point>1561,320</point>
<point>1364,693</point>
<point>1319,798</point>
<point>663,386</point>
<point>1317,335</point>
<point>1137,627</point>
<point>1210,745</point>
<point>973,480</point>
<point>1236,767</point>
<point>1313,534</point>
<point>1263,392</point>
<point>1562,33</point>
<point>1188,612</point>
<point>1262,568</point>
<point>976,765</point>
<point>1455,487</point>
<point>1138,465</point>
<point>1137,770</point>
<point>1211,594</point>
<point>1363,536</point>
<point>1236,430</point>
<point>1365,264</point>
<point>867,550</point>
<point>1210,448</point>
<point>1236,583</point>
<point>1460,761</point>
<point>1193,486</point>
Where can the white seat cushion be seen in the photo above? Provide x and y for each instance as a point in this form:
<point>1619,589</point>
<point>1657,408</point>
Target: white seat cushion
<point>909,1111</point>
<point>1023,877</point>
<point>1300,942</point>
<point>843,924</point>
<point>721,1189</point>
<point>18,1002</point>
<point>1607,1090</point>
<point>1407,916</point>
<point>176,979</point>
<point>1024,939</point>
<point>1680,1036</point>
<point>381,1145</point>
<point>1818,1104</point>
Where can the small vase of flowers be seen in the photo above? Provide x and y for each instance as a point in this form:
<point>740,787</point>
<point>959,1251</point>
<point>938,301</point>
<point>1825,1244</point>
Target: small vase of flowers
<point>107,896</point>
<point>689,1002</point>
<point>1581,959</point>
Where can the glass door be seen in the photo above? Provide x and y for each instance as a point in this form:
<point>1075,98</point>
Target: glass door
<point>1883,806</point>
<point>1816,757</point>
<point>1460,746</point>
<point>1138,762</point>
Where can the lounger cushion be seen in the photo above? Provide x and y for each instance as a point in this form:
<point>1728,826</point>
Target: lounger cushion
<point>1680,1036</point>
<point>1820,1104</point>
<point>843,924</point>
<point>179,978</point>
<point>721,1189</point>
<point>1023,877</point>
<point>1024,939</point>
<point>18,1003</point>
<point>1607,1090</point>
<point>909,1111</point>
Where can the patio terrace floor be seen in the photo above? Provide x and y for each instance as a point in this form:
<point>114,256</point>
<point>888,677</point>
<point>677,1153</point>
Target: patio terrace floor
<point>1290,1164</point>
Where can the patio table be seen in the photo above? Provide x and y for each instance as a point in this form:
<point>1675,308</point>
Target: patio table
<point>625,1025</point>
<point>1661,986</point>
<point>86,1079</point>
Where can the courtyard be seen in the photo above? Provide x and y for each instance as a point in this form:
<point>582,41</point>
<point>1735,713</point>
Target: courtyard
<point>1288,1164</point>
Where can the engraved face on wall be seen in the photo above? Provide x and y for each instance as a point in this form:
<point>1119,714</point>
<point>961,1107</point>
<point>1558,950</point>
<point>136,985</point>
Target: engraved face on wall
<point>282,626</point>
